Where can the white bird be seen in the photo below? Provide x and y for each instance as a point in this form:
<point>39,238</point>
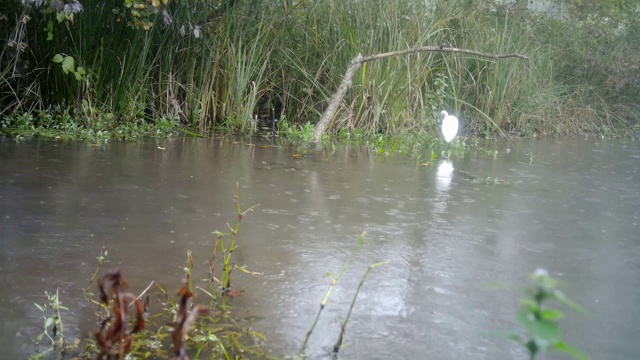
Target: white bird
<point>449,126</point>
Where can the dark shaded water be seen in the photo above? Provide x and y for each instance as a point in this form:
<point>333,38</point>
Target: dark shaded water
<point>450,238</point>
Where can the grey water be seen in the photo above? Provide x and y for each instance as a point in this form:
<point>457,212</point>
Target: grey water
<point>461,236</point>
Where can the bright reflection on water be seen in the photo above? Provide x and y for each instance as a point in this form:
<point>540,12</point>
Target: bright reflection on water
<point>457,234</point>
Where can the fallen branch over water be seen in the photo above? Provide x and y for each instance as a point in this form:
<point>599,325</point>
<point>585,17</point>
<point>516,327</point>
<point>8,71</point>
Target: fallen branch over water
<point>347,79</point>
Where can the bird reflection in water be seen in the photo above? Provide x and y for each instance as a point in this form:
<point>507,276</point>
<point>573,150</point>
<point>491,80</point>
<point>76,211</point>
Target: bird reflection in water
<point>444,175</point>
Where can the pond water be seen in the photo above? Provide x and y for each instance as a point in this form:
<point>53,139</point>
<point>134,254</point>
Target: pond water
<point>461,237</point>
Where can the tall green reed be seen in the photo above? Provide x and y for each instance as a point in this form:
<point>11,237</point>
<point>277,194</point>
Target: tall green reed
<point>218,67</point>
<point>246,61</point>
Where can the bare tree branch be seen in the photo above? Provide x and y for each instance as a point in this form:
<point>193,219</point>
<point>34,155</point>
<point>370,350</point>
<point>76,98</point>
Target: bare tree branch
<point>355,64</point>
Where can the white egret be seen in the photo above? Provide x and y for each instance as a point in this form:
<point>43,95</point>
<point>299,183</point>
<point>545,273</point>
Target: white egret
<point>449,126</point>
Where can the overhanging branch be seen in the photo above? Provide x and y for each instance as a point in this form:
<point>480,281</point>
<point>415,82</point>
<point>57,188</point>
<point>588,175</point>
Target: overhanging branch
<point>355,64</point>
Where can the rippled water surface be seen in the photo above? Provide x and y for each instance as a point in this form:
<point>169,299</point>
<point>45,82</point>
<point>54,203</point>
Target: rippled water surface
<point>460,237</point>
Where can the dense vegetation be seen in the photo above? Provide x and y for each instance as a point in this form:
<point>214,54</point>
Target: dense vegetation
<point>123,68</point>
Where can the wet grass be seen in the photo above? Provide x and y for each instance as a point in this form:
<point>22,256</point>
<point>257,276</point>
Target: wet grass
<point>63,124</point>
<point>224,69</point>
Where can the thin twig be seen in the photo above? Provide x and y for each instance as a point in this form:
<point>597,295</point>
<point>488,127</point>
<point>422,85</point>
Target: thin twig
<point>145,290</point>
<point>250,209</point>
<point>205,291</point>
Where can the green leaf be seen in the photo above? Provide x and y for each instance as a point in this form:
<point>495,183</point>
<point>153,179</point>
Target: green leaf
<point>524,317</point>
<point>48,322</point>
<point>81,70</point>
<point>60,17</point>
<point>68,64</point>
<point>49,30</point>
<point>361,239</point>
<point>78,76</point>
<point>570,303</point>
<point>529,304</point>
<point>380,263</point>
<point>561,346</point>
<point>541,330</point>
<point>515,337</point>
<point>63,307</point>
<point>552,314</point>
<point>39,307</point>
<point>57,59</point>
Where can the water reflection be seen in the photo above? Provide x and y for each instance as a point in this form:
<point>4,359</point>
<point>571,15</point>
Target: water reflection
<point>444,175</point>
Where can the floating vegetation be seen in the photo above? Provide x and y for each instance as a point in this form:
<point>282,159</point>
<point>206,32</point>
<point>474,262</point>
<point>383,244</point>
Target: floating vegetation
<point>483,180</point>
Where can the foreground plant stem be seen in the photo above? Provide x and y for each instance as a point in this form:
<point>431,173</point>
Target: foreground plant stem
<point>227,267</point>
<point>87,292</point>
<point>334,280</point>
<point>338,344</point>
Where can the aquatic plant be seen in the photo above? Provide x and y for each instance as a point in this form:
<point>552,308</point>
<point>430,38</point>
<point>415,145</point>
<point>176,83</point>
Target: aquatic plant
<point>114,330</point>
<point>299,134</point>
<point>129,329</point>
<point>227,252</point>
<point>334,280</point>
<point>101,258</point>
<point>185,318</point>
<point>53,320</point>
<point>343,327</point>
<point>540,321</point>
